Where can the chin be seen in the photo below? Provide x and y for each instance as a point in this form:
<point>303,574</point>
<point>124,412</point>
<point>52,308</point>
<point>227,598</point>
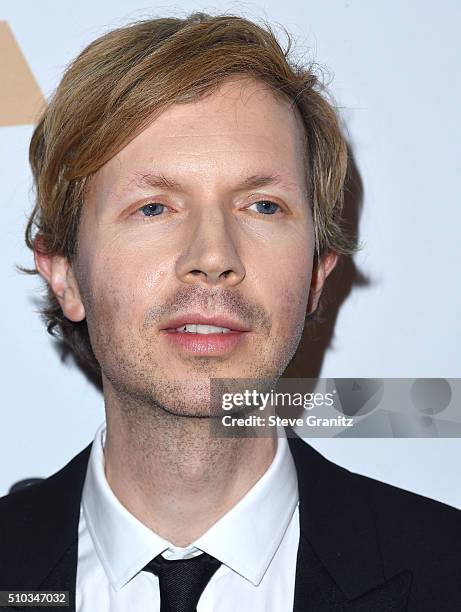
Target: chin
<point>193,412</point>
<point>187,400</point>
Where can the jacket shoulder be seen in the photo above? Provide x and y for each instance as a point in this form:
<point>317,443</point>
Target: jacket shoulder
<point>388,501</point>
<point>47,491</point>
<point>421,534</point>
<point>409,511</point>
<point>39,523</point>
<point>374,524</point>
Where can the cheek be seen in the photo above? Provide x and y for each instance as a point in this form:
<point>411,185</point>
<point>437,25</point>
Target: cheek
<point>120,289</point>
<point>290,306</point>
<point>286,295</point>
<point>287,284</point>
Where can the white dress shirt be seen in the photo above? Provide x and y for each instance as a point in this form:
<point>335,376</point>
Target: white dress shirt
<point>256,542</point>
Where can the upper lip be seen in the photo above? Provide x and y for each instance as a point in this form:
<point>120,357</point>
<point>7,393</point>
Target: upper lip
<point>199,319</point>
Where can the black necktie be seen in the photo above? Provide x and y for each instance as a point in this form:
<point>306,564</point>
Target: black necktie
<point>182,581</point>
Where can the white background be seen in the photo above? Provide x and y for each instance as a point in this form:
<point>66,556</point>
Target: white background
<point>396,75</point>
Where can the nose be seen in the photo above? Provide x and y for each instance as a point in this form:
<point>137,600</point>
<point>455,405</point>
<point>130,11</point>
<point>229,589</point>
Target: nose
<point>210,255</point>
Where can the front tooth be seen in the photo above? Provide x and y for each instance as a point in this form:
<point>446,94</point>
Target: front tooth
<point>204,329</point>
<point>211,329</point>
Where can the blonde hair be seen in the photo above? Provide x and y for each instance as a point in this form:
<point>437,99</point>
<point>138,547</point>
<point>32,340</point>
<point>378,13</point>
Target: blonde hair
<point>126,78</point>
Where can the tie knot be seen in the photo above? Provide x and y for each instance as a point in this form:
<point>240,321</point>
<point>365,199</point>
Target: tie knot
<point>182,581</point>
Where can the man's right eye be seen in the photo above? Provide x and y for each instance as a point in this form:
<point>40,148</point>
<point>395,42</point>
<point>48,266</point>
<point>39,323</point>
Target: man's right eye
<point>151,209</point>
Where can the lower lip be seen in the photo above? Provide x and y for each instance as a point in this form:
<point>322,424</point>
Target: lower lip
<point>206,344</point>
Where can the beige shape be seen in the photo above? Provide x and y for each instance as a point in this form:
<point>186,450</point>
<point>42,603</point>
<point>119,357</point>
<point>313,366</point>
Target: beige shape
<point>20,97</point>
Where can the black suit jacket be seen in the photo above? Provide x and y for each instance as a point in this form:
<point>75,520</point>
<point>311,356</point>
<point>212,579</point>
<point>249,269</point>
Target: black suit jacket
<point>365,546</point>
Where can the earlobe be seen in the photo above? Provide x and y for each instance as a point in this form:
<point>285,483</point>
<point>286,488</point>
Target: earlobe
<point>320,273</point>
<point>58,273</point>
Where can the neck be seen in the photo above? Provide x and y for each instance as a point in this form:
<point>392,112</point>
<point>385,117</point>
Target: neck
<point>172,474</point>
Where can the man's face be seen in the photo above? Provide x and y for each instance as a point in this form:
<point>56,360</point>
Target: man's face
<point>154,252</point>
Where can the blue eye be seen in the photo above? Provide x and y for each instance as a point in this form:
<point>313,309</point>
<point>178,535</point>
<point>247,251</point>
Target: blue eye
<point>266,207</point>
<point>151,210</point>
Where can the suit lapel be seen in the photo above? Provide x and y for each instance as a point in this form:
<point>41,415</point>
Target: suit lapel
<point>317,590</point>
<point>339,566</point>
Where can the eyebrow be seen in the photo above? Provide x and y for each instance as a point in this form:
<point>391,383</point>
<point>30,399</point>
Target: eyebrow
<point>159,180</point>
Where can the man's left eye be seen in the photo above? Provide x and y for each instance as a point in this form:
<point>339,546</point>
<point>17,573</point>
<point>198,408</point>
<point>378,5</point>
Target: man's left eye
<point>266,207</point>
<point>151,209</point>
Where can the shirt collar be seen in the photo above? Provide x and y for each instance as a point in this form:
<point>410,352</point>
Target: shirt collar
<point>245,539</point>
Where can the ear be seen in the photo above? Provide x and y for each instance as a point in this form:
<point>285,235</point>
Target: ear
<point>58,273</point>
<point>320,273</point>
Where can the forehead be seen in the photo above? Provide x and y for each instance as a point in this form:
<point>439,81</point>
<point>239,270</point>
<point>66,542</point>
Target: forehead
<point>243,126</point>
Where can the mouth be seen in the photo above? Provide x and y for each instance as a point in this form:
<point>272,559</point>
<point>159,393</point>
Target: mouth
<point>212,336</point>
